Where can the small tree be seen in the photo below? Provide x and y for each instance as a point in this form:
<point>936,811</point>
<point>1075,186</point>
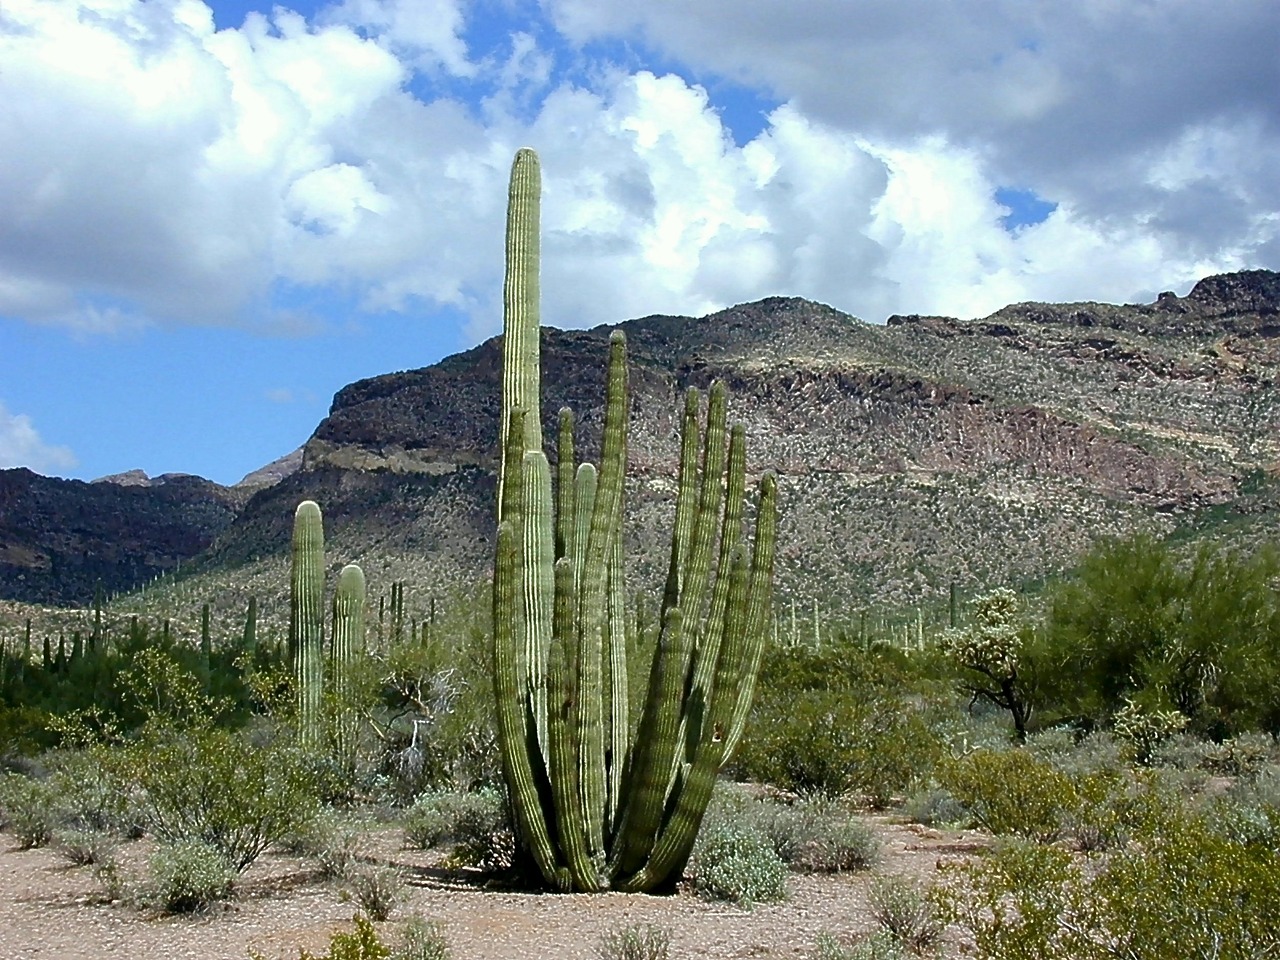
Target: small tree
<point>993,656</point>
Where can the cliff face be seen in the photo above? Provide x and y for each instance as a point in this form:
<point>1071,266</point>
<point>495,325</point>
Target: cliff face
<point>59,539</point>
<point>910,454</point>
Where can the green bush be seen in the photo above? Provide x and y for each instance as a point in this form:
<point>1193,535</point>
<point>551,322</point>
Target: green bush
<point>30,809</point>
<point>1009,791</point>
<point>1246,755</point>
<point>1197,634</point>
<point>1184,892</point>
<point>361,944</point>
<point>817,837</point>
<point>331,839</point>
<point>92,795</point>
<point>215,787</point>
<point>904,912</point>
<point>84,848</point>
<point>421,939</point>
<point>880,945</point>
<point>376,888</point>
<point>835,721</point>
<point>731,862</point>
<point>934,805</point>
<point>475,822</point>
<point>188,875</point>
<point>636,941</point>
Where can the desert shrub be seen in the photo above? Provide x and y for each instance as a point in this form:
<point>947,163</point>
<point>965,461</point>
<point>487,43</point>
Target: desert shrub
<point>1185,892</point>
<point>421,939</point>
<point>215,787</point>
<point>906,913</point>
<point>837,720</point>
<point>830,743</point>
<point>731,862</point>
<point>1185,752</point>
<point>635,941</point>
<point>1245,755</point>
<point>475,822</point>
<point>375,888</point>
<point>83,848</point>
<point>188,875</point>
<point>30,809</point>
<point>1144,728</point>
<point>1010,791</point>
<point>331,839</point>
<point>934,805</point>
<point>1097,820</point>
<point>1096,752</point>
<point>92,793</point>
<point>1250,811</point>
<point>362,943</point>
<point>880,945</point>
<point>818,837</point>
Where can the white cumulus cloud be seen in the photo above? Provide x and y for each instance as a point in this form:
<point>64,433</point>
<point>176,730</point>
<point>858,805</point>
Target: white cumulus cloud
<point>21,446</point>
<point>159,171</point>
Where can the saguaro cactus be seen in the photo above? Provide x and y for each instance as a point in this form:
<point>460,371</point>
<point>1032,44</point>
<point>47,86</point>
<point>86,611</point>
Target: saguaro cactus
<point>592,808</point>
<point>348,640</point>
<point>306,621</point>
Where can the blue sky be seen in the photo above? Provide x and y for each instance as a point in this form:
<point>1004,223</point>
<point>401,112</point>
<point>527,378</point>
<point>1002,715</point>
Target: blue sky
<point>217,216</point>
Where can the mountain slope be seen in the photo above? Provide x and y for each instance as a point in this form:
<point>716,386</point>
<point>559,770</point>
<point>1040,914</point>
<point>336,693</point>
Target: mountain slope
<point>910,454</point>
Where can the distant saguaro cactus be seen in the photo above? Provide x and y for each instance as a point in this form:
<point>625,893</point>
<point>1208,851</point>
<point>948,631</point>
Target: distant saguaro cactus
<point>306,621</point>
<point>594,809</point>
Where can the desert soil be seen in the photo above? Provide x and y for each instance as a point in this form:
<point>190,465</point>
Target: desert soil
<point>50,909</point>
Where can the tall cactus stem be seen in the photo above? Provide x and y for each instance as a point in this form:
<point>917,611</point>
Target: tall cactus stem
<point>306,621</point>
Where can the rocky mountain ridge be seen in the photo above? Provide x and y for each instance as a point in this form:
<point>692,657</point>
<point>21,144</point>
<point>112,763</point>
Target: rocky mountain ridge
<point>909,454</point>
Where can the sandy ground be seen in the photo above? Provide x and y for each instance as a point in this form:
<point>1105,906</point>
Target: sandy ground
<point>50,909</point>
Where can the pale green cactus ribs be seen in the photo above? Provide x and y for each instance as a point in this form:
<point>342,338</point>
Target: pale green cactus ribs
<point>306,622</point>
<point>593,808</point>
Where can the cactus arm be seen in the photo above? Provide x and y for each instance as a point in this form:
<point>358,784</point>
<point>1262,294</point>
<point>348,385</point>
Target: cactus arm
<point>655,747</point>
<point>707,653</point>
<point>680,829</point>
<point>686,499</point>
<point>605,529</point>
<point>759,600</point>
<point>566,498</point>
<point>538,580</point>
<point>572,819</point>
<point>616,689</point>
<point>521,372</point>
<point>514,734</point>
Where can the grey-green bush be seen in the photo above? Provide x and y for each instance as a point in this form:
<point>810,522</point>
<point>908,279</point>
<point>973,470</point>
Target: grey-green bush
<point>188,875</point>
<point>636,941</point>
<point>905,912</point>
<point>731,862</point>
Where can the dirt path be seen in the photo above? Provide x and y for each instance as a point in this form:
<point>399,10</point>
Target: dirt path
<point>49,909</point>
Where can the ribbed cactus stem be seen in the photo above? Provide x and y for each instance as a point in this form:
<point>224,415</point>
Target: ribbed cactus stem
<point>348,643</point>
<point>593,808</point>
<point>306,621</point>
<point>521,332</point>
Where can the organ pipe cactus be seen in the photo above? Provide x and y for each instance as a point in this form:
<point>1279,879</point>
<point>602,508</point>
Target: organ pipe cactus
<point>306,621</point>
<point>593,807</point>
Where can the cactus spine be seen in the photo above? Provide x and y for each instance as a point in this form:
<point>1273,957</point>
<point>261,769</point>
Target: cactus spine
<point>592,809</point>
<point>306,621</point>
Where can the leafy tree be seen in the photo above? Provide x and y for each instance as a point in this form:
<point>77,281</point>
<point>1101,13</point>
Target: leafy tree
<point>994,656</point>
<point>1199,635</point>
